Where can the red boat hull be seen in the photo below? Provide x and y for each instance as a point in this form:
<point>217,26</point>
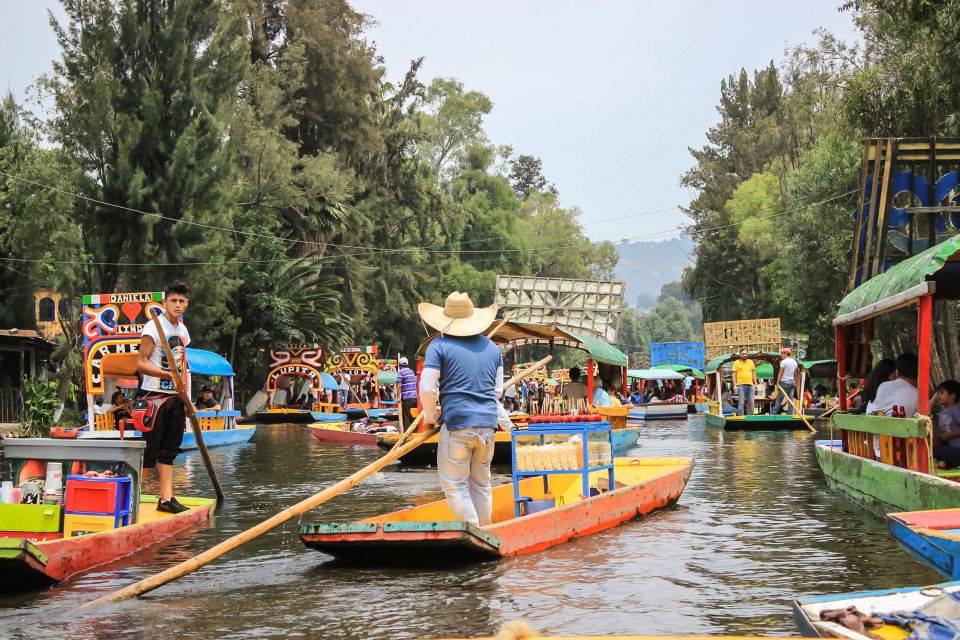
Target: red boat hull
<point>343,437</point>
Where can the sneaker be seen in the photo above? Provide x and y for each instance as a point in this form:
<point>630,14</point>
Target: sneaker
<point>171,506</point>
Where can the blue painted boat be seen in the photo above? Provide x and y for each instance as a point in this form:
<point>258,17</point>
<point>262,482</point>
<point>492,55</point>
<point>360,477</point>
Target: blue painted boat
<point>806,610</point>
<point>624,439</point>
<point>328,417</point>
<point>932,537</point>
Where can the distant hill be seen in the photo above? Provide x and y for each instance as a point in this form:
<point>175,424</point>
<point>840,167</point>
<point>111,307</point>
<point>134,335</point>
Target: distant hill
<point>646,266</point>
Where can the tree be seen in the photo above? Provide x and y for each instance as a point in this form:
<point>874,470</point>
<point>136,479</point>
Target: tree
<point>453,123</point>
<point>526,176</point>
<point>668,322</point>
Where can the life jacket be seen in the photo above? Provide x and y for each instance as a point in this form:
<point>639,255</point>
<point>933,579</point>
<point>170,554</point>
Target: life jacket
<point>144,413</point>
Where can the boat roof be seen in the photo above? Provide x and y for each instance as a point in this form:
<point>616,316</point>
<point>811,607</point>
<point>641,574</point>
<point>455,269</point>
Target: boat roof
<point>516,334</point>
<point>655,374</point>
<point>719,361</point>
<point>682,368</point>
<point>208,363</point>
<point>815,368</point>
<point>386,377</point>
<point>935,272</point>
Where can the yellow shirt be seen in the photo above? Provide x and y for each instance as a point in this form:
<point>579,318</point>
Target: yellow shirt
<point>743,371</point>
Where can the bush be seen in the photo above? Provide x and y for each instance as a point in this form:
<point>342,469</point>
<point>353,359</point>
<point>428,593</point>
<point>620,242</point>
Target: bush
<point>39,404</point>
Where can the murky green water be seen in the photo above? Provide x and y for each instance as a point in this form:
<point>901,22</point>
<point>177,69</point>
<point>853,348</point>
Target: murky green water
<point>755,527</point>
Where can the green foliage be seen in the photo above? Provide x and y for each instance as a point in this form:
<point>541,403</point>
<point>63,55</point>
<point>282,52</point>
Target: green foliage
<point>39,404</point>
<point>669,321</point>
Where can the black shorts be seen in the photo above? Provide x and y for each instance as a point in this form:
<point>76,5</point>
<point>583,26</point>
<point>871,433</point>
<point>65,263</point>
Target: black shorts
<point>163,442</point>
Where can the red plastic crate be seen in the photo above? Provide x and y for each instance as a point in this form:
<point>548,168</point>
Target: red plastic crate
<point>106,496</point>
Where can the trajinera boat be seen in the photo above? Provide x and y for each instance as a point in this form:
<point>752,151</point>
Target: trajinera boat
<point>428,534</point>
<point>696,403</point>
<point>901,475</point>
<point>304,363</point>
<point>112,324</point>
<point>933,537</point>
<point>101,519</point>
<point>893,614</point>
<point>512,335</point>
<point>717,417</point>
<point>666,410</point>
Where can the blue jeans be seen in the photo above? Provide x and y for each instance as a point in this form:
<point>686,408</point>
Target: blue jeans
<point>746,399</point>
<point>791,390</point>
<point>463,463</point>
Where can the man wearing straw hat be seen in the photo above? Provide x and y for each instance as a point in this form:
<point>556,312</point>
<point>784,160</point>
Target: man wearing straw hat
<point>466,368</point>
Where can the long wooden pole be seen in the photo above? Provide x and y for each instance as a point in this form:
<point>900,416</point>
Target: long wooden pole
<point>188,407</point>
<point>796,409</point>
<point>188,566</point>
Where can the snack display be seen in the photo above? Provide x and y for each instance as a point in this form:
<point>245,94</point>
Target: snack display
<point>561,456</point>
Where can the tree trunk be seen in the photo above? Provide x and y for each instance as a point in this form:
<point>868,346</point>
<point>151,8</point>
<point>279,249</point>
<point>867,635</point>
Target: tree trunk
<point>945,361</point>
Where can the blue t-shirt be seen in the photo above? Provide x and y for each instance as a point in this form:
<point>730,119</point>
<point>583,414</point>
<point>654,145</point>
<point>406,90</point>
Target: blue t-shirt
<point>468,378</point>
<point>950,420</point>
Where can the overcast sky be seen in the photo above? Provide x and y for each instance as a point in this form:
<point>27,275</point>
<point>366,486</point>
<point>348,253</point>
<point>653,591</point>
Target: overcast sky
<point>608,93</point>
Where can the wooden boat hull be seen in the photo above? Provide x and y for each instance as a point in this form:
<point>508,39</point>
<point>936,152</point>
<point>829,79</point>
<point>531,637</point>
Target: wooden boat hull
<point>760,422</point>
<point>428,534</point>
<point>284,416</point>
<point>806,611</point>
<point>219,437</point>
<point>334,434</point>
<point>932,537</point>
<point>883,488</point>
<point>426,454</point>
<point>659,411</point>
<point>27,565</point>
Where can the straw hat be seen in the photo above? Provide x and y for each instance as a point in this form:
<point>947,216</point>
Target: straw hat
<point>457,316</point>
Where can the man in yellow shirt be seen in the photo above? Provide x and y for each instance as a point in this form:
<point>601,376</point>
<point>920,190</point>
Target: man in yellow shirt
<point>744,381</point>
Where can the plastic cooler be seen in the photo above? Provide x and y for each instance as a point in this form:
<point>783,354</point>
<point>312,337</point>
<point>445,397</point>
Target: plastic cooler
<point>98,496</point>
<point>76,524</point>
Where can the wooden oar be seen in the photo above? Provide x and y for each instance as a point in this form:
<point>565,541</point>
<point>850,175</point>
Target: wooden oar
<point>797,409</point>
<point>413,425</point>
<point>188,407</point>
<point>188,566</point>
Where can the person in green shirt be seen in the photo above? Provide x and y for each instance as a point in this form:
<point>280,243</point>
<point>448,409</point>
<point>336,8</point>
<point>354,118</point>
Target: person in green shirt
<point>744,381</point>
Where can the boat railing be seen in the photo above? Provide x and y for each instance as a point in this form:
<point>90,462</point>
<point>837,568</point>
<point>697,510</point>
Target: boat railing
<point>209,420</point>
<point>899,442</point>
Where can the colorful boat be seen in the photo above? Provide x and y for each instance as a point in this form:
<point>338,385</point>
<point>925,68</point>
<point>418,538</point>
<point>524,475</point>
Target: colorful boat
<point>807,611</point>
<point>428,533</point>
<point>716,417</point>
<point>340,433</point>
<point>303,363</point>
<point>657,410</point>
<point>111,327</point>
<point>27,564</point>
<point>426,454</point>
<point>933,537</point>
<point>884,463</point>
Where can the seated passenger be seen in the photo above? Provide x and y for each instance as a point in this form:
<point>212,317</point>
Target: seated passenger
<point>947,449</point>
<point>119,406</point>
<point>600,397</point>
<point>884,370</point>
<point>206,401</point>
<point>901,392</point>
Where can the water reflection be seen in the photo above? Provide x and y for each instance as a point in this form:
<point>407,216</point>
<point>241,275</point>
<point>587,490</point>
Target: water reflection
<point>755,527</point>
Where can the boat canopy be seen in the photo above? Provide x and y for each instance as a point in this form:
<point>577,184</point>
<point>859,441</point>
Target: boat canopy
<point>765,356</point>
<point>820,368</point>
<point>654,374</point>
<point>208,363</point>
<point>516,334</point>
<point>328,382</point>
<point>386,377</point>
<point>935,271</point>
<point>682,368</point>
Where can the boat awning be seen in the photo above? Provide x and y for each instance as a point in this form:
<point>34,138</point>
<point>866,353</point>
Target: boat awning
<point>208,363</point>
<point>387,377</point>
<point>820,368</point>
<point>765,356</point>
<point>329,383</point>
<point>682,368</point>
<point>517,334</point>
<point>654,374</point>
<point>935,271</point>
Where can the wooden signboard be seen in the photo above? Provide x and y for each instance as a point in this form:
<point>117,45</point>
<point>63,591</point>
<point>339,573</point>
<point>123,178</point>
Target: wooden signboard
<point>721,338</point>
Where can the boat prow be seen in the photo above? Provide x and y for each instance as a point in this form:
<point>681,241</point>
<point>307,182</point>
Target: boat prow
<point>27,564</point>
<point>933,537</point>
<point>429,533</point>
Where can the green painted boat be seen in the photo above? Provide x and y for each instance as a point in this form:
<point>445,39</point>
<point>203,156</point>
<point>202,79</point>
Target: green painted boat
<point>758,422</point>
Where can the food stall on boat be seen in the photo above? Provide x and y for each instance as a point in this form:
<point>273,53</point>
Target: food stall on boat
<point>298,371</point>
<point>767,365</point>
<point>513,335</point>
<point>668,409</point>
<point>901,474</point>
<point>565,484</point>
<point>72,505</point>
<point>111,329</point>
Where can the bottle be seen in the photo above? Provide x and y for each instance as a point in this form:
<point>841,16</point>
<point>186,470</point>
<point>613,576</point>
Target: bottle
<point>6,492</point>
<point>903,411</point>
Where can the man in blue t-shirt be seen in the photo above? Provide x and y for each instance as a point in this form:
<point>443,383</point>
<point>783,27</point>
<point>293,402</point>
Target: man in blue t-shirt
<point>466,368</point>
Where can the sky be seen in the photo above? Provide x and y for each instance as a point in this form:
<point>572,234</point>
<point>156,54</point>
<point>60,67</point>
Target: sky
<point>609,94</point>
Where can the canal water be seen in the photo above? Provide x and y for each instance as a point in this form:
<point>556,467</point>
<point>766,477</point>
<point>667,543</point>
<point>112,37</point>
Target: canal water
<point>756,527</point>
